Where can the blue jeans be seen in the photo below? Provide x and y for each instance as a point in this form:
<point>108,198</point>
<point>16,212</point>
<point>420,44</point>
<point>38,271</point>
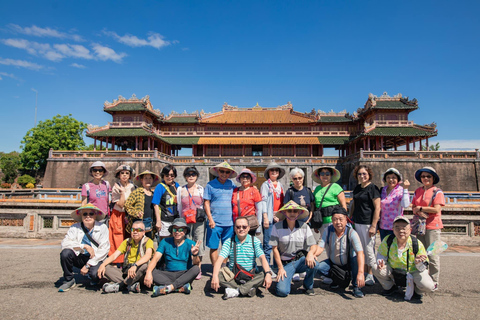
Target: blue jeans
<point>299,266</point>
<point>384,233</point>
<point>323,268</point>
<point>267,248</point>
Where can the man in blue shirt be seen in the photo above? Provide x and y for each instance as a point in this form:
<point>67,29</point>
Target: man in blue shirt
<point>179,272</point>
<point>218,207</point>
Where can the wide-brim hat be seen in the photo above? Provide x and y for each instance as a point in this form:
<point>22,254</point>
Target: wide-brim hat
<point>273,165</point>
<point>316,174</point>
<point>392,170</point>
<point>155,176</point>
<point>223,165</point>
<point>292,205</point>
<point>246,170</point>
<point>125,167</point>
<point>77,213</point>
<point>179,222</point>
<point>98,164</point>
<point>436,178</point>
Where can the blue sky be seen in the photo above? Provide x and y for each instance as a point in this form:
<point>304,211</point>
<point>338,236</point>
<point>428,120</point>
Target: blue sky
<point>193,55</point>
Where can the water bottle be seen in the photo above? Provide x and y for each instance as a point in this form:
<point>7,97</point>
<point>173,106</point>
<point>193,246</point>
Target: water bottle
<point>421,266</point>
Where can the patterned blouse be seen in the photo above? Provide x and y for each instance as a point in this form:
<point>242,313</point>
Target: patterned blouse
<point>392,205</point>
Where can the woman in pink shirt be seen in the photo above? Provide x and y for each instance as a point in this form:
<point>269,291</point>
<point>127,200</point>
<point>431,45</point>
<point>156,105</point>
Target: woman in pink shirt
<point>427,203</point>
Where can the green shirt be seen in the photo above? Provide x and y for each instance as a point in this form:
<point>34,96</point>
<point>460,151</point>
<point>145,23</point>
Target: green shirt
<point>331,198</point>
<point>400,262</point>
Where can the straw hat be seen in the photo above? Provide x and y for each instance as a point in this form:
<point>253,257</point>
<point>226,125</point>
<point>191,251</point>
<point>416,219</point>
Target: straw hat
<point>246,170</point>
<point>292,205</point>
<point>125,167</point>
<point>436,178</point>
<point>98,164</point>
<point>223,165</point>
<point>316,174</point>
<point>138,178</point>
<point>77,214</point>
<point>274,165</point>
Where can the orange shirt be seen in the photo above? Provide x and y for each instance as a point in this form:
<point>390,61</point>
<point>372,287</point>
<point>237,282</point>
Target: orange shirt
<point>422,198</point>
<point>247,198</point>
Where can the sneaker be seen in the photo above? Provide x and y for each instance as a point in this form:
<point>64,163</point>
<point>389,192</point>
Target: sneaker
<point>417,297</point>
<point>369,280</point>
<point>252,292</point>
<point>199,276</point>
<point>390,291</point>
<point>334,286</point>
<point>159,290</point>
<point>111,287</point>
<point>135,288</point>
<point>67,285</point>
<point>436,287</point>
<point>309,292</point>
<point>230,293</point>
<point>296,277</point>
<point>357,292</point>
<point>187,288</point>
<point>326,280</point>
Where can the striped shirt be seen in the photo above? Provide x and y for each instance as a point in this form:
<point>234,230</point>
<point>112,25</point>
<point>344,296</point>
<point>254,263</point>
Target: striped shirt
<point>289,242</point>
<point>245,255</point>
<point>336,248</point>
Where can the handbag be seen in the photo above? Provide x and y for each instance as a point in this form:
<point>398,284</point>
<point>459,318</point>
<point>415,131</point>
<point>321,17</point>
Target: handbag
<point>191,215</point>
<point>242,275</point>
<point>252,219</point>
<point>317,219</point>
<point>201,215</point>
<point>341,275</point>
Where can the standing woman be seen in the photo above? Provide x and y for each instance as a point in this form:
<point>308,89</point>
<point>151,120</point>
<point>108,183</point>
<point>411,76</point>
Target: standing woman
<point>393,199</point>
<point>365,213</point>
<point>246,199</point>
<point>302,196</point>
<point>139,205</point>
<point>328,190</point>
<point>97,191</point>
<point>121,191</point>
<point>165,201</point>
<point>190,201</point>
<point>272,200</point>
<point>427,203</point>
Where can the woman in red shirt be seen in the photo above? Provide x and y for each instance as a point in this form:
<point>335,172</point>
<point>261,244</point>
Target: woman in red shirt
<point>427,203</point>
<point>247,196</point>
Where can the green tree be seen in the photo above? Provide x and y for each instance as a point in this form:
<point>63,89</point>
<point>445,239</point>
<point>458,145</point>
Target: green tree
<point>25,179</point>
<point>58,133</point>
<point>435,147</point>
<point>10,164</point>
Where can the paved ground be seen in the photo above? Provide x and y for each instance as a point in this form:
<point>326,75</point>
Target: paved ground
<point>30,271</point>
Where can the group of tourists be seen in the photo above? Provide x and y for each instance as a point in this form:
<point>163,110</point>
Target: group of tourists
<point>142,233</point>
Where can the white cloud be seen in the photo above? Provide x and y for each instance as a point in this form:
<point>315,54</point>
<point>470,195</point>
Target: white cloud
<point>106,53</point>
<point>9,75</point>
<point>34,48</point>
<point>20,63</point>
<point>76,65</point>
<point>73,50</point>
<point>456,144</point>
<point>154,40</point>
<point>44,32</point>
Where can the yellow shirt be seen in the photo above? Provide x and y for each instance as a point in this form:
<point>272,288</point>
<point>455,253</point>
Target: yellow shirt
<point>132,256</point>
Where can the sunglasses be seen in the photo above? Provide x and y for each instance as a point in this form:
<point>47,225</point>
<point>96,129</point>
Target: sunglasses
<point>324,174</point>
<point>192,174</point>
<point>275,170</point>
<point>241,227</point>
<point>178,229</point>
<point>137,230</point>
<point>91,214</point>
<point>426,177</point>
<point>245,176</point>
<point>125,172</point>
<point>225,171</point>
<point>98,170</point>
<point>297,179</point>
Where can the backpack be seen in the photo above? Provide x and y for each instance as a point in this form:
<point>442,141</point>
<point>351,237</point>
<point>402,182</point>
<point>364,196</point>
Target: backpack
<point>142,248</point>
<point>341,275</point>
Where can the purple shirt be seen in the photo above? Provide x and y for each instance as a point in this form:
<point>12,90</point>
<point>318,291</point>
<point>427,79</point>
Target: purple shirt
<point>391,206</point>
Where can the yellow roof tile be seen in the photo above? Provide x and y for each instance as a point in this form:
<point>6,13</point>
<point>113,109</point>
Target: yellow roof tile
<point>257,116</point>
<point>259,140</point>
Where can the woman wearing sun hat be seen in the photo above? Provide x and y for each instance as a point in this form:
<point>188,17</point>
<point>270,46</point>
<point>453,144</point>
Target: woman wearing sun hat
<point>246,199</point>
<point>85,245</point>
<point>328,194</point>
<point>293,247</point>
<point>393,199</point>
<point>120,192</point>
<point>272,192</point>
<point>427,203</point>
<point>139,204</point>
<point>98,191</point>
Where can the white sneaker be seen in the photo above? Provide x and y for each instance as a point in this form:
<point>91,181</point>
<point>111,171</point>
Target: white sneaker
<point>326,280</point>
<point>296,277</point>
<point>369,280</point>
<point>230,293</point>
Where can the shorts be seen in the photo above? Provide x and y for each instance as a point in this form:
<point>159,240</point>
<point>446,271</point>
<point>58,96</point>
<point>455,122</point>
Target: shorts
<point>214,235</point>
<point>164,231</point>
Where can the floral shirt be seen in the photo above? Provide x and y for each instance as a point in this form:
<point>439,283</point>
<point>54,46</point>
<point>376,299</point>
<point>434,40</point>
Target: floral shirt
<point>392,206</point>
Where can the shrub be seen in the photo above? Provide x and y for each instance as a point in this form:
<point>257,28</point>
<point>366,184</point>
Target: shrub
<point>5,185</point>
<point>30,185</point>
<point>25,179</point>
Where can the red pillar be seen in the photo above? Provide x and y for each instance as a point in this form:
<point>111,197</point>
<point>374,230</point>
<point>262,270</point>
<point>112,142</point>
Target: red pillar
<point>368,143</point>
<point>408,143</point>
<point>95,144</point>
<point>381,143</point>
<point>426,142</point>
<point>294,150</point>
<point>106,143</point>
<point>365,144</point>
<point>204,147</point>
<point>311,150</point>
<point>113,143</point>
<point>136,143</point>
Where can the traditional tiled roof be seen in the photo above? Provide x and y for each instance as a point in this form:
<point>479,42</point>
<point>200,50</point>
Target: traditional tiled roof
<point>181,140</point>
<point>334,119</point>
<point>333,140</point>
<point>132,104</point>
<point>181,119</point>
<point>122,132</point>
<point>400,132</point>
<point>257,117</point>
<point>258,140</point>
<point>394,105</point>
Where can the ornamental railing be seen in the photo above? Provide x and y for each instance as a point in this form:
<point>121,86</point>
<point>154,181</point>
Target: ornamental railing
<point>419,154</point>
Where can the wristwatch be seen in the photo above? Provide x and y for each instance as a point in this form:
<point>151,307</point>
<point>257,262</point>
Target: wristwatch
<point>135,265</point>
<point>420,209</point>
<point>87,266</point>
<point>269,272</point>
